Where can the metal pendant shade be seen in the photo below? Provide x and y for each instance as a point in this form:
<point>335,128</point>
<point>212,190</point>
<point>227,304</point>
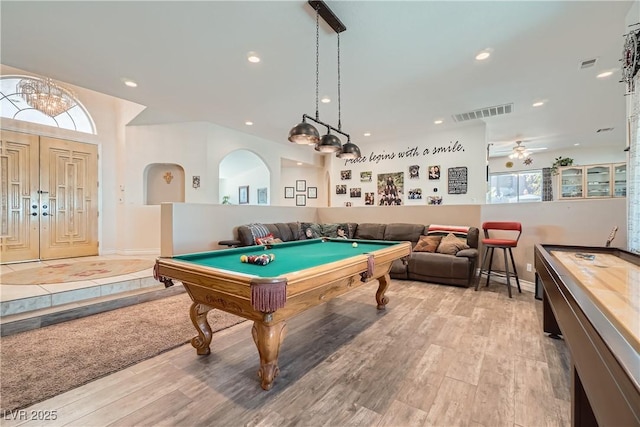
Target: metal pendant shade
<point>349,151</point>
<point>304,134</point>
<point>329,144</point>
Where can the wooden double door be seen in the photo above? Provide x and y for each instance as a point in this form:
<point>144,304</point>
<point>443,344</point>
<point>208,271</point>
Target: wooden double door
<point>49,198</point>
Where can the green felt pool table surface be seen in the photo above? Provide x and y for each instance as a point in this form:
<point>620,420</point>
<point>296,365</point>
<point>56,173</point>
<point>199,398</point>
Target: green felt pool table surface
<point>289,256</point>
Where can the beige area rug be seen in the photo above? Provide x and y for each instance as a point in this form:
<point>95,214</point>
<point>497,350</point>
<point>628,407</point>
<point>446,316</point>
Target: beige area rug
<point>39,364</point>
<point>75,271</point>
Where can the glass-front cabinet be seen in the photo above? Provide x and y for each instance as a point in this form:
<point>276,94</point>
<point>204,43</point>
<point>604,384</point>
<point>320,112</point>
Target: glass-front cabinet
<point>620,180</point>
<point>598,180</point>
<point>593,181</point>
<point>571,182</point>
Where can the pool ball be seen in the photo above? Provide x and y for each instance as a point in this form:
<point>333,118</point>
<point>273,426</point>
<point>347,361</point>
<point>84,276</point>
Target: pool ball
<point>355,245</point>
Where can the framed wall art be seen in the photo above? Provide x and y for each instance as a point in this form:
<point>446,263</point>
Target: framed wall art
<point>301,200</point>
<point>301,185</point>
<point>262,196</point>
<point>243,195</point>
<point>312,192</point>
<point>288,192</point>
<point>434,172</point>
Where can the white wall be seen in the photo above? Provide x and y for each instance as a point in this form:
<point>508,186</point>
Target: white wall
<point>397,156</point>
<point>312,176</point>
<point>193,227</point>
<point>199,148</point>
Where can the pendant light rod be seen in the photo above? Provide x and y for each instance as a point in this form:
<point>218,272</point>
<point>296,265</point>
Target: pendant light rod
<point>328,15</point>
<point>317,8</point>
<point>320,122</point>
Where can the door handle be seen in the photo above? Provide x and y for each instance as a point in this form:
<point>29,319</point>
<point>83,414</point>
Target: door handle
<point>45,214</point>
<point>34,213</point>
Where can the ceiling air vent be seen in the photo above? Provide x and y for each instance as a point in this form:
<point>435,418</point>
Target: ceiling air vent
<point>588,63</point>
<point>482,113</point>
<point>604,130</point>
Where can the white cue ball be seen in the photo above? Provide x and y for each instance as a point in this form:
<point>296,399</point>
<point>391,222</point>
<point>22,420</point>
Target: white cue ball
<point>355,245</point>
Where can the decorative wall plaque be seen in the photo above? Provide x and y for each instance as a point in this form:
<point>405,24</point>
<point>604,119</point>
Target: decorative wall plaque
<point>457,180</point>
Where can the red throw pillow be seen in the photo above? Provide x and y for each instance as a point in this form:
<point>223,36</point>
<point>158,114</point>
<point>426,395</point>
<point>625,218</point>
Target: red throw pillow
<point>264,240</point>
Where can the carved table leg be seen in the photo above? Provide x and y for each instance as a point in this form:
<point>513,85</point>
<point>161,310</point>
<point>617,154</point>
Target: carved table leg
<point>268,339</point>
<point>382,288</point>
<point>198,313</point>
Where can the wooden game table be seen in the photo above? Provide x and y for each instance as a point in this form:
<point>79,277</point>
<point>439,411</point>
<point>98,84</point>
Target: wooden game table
<point>303,275</point>
<point>591,296</point>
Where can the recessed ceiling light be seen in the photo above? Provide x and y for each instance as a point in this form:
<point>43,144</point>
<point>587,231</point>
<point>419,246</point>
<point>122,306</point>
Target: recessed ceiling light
<point>483,55</point>
<point>576,144</point>
<point>129,83</point>
<point>538,104</point>
<point>438,122</point>
<point>253,57</point>
<point>325,100</point>
<point>604,74</point>
<point>248,123</point>
<point>299,163</point>
<point>367,134</point>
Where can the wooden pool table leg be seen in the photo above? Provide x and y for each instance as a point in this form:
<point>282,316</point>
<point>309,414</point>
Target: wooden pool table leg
<point>268,338</point>
<point>383,284</point>
<point>198,313</point>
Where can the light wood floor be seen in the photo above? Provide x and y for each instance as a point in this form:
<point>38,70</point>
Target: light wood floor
<point>439,355</point>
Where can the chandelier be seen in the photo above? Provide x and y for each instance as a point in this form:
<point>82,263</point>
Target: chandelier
<point>45,95</point>
<point>519,151</point>
<point>305,133</point>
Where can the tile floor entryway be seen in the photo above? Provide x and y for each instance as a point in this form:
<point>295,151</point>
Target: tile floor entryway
<point>24,307</point>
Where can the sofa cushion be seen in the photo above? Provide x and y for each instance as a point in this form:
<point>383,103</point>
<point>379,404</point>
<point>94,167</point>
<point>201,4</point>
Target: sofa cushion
<point>427,244</point>
<point>450,244</point>
<point>432,266</point>
<point>284,232</point>
<point>257,231</point>
<point>309,230</point>
<point>333,230</point>
<point>370,231</point>
<point>468,253</point>
<point>398,270</point>
<point>403,232</point>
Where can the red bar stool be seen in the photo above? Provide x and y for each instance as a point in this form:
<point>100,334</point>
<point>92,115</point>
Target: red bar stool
<point>491,243</point>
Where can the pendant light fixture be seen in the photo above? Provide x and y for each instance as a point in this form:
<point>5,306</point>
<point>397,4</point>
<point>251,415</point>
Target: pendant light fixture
<point>305,133</point>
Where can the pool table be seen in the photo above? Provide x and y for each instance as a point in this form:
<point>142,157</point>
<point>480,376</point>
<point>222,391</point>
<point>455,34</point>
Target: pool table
<point>591,296</point>
<point>303,274</point>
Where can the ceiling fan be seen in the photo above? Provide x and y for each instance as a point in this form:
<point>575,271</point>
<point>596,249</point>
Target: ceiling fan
<point>519,151</point>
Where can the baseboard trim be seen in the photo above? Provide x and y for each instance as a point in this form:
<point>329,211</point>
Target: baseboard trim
<point>525,285</point>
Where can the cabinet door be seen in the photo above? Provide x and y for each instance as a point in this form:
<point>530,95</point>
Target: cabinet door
<point>620,180</point>
<point>598,181</point>
<point>571,183</point>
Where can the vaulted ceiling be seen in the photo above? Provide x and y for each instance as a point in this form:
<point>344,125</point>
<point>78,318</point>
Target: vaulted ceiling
<point>403,64</point>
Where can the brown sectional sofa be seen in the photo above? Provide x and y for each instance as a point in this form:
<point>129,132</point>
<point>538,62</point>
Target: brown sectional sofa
<point>458,269</point>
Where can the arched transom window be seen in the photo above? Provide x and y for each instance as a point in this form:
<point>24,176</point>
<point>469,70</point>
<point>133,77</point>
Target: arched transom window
<point>14,106</point>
